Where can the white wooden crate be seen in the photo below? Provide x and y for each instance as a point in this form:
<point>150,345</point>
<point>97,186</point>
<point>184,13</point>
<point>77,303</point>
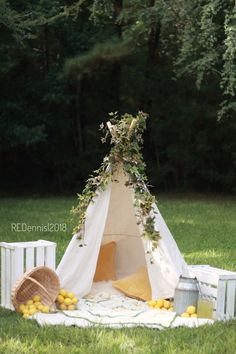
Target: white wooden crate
<point>19,257</point>
<point>219,284</point>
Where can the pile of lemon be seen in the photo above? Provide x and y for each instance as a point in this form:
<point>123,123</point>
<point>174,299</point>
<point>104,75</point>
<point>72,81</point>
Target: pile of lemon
<point>66,300</point>
<point>30,307</point>
<point>190,312</point>
<point>161,304</point>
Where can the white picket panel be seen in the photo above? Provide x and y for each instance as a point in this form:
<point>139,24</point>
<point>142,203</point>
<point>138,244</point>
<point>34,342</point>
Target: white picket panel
<point>208,290</point>
<point>3,276</point>
<point>50,256</point>
<point>8,278</point>
<point>220,307</point>
<point>17,266</point>
<point>19,257</point>
<point>219,284</point>
<point>39,256</point>
<point>204,276</point>
<point>209,269</point>
<point>18,263</point>
<point>231,295</point>
<point>29,264</point>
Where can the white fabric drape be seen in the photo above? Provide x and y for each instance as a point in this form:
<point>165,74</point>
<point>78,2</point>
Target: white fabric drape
<point>165,263</point>
<point>77,267</point>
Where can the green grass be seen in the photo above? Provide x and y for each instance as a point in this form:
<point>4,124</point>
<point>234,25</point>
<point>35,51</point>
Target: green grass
<point>205,230</point>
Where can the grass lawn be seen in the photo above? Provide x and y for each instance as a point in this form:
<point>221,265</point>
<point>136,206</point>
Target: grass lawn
<point>205,230</point>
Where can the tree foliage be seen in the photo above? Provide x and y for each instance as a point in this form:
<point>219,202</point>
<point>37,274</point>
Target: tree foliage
<point>66,64</point>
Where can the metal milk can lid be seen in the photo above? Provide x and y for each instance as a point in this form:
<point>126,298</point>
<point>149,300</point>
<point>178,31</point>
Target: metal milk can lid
<point>186,283</point>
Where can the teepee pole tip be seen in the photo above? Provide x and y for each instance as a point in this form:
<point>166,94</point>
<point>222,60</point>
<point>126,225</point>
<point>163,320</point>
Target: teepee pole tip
<point>132,125</point>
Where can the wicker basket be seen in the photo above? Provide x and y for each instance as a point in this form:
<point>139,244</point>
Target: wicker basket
<point>41,281</point>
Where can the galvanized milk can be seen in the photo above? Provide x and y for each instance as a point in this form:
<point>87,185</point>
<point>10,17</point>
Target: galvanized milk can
<point>186,294</point>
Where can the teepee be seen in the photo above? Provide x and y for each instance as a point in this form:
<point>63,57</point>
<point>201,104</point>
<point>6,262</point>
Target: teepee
<point>116,205</point>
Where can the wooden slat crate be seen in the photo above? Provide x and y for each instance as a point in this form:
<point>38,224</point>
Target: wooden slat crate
<point>220,285</point>
<point>19,257</point>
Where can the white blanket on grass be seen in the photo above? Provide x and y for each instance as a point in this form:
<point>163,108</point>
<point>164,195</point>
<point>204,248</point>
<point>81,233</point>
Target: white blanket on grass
<point>116,311</point>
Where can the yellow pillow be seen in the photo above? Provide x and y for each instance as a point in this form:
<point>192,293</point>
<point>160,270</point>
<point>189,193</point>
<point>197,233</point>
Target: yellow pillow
<point>106,263</point>
<point>136,285</point>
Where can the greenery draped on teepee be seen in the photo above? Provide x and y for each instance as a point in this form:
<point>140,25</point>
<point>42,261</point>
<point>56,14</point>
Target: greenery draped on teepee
<point>125,135</point>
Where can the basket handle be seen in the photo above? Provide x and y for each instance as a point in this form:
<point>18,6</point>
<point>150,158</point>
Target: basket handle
<point>42,287</point>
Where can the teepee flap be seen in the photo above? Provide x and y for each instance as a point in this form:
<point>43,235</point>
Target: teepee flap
<point>77,267</point>
<point>165,263</point>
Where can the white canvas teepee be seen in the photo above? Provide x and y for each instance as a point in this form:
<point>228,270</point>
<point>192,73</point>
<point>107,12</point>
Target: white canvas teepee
<point>112,216</point>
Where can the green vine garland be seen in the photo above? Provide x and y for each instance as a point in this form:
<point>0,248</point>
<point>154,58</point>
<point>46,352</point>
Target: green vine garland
<point>125,136</point>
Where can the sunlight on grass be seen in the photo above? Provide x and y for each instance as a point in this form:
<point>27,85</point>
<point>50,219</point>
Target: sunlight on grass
<point>185,221</point>
<point>204,229</point>
<point>206,254</point>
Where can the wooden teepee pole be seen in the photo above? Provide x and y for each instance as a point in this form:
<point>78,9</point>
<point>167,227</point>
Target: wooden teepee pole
<point>132,125</point>
<point>111,128</point>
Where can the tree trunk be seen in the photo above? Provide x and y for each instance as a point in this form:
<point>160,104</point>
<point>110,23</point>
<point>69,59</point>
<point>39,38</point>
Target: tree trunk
<point>58,174</point>
<point>153,39</point>
<point>157,157</point>
<point>45,49</point>
<point>78,121</point>
<point>116,67</point>
<point>118,4</point>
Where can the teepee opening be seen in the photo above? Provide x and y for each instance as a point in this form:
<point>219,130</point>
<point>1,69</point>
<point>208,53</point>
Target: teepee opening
<point>121,226</point>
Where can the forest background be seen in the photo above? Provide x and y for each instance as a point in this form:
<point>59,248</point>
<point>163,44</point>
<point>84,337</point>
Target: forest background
<point>64,65</point>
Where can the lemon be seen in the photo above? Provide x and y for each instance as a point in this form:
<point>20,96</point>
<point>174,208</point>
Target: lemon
<point>151,303</point>
<point>26,315</point>
<point>71,295</point>
<point>25,311</point>
<point>194,315</point>
<point>185,314</point>
<point>37,304</point>
<point>74,300</point>
<point>67,301</point>
<point>71,307</point>
<point>36,298</point>
<point>60,299</point>
<point>166,304</point>
<point>62,307</point>
<point>160,303</point>
<point>191,310</point>
<point>32,311</point>
<point>63,292</point>
<point>171,309</point>
<point>29,302</point>
<point>40,307</point>
<point>45,309</point>
<point>21,308</point>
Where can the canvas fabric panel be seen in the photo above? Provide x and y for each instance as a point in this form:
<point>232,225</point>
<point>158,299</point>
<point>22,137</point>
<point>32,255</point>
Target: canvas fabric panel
<point>77,267</point>
<point>165,263</point>
<point>121,227</point>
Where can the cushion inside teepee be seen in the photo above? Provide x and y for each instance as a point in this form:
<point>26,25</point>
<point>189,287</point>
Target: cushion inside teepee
<point>136,285</point>
<point>106,263</point>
